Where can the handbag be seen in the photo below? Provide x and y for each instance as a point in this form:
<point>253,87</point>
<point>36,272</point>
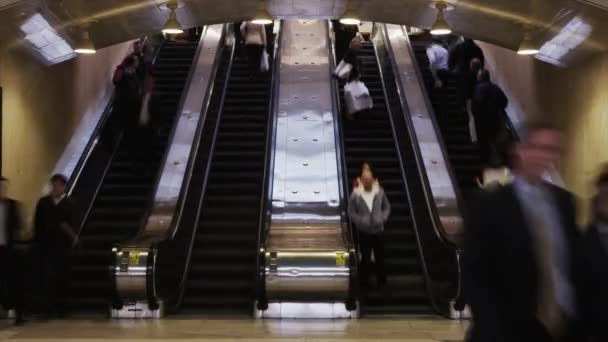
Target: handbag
<point>343,70</point>
<point>357,97</point>
<point>264,63</point>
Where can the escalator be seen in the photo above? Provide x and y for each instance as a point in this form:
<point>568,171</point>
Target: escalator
<point>222,272</point>
<point>371,137</point>
<point>453,123</point>
<point>124,194</point>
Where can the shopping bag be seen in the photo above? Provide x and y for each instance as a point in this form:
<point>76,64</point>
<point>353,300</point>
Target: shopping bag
<point>264,64</point>
<point>343,70</point>
<point>144,114</point>
<point>357,97</point>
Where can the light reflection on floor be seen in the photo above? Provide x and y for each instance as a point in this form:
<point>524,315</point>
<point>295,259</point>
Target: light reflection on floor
<point>419,329</point>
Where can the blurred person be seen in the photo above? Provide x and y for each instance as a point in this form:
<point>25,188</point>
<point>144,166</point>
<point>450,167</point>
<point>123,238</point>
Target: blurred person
<point>488,106</point>
<point>522,262</point>
<point>438,62</point>
<point>255,42</point>
<point>11,261</point>
<point>56,237</point>
<point>369,209</point>
<point>343,37</point>
<point>138,52</point>
<point>461,55</point>
<point>365,166</point>
<point>595,247</point>
<point>351,60</point>
<point>468,82</point>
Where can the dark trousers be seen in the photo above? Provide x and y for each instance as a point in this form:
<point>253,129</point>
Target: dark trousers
<point>57,276</point>
<point>254,57</point>
<point>486,137</point>
<point>11,278</point>
<point>138,140</point>
<point>367,244</point>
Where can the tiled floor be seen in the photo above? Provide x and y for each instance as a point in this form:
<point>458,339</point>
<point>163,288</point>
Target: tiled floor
<point>419,329</point>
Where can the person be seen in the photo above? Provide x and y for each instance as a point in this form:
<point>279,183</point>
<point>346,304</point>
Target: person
<point>351,58</point>
<point>488,105</point>
<point>11,262</point>
<point>438,62</point>
<point>595,247</point>
<point>138,53</point>
<point>255,42</point>
<point>343,36</point>
<point>468,81</point>
<point>522,261</point>
<point>365,166</point>
<point>462,54</point>
<point>369,209</point>
<point>56,237</point>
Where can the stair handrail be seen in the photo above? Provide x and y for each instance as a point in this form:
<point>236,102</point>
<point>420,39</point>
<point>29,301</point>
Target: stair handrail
<point>268,174</point>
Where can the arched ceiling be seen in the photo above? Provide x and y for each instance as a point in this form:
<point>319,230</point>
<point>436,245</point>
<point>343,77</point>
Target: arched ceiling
<point>497,21</point>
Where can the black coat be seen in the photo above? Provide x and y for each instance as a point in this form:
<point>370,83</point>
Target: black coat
<point>12,222</point>
<point>596,262</point>
<point>489,102</point>
<point>462,54</point>
<point>49,218</point>
<point>501,271</point>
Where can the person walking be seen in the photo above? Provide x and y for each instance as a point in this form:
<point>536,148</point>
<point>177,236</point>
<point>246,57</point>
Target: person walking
<point>438,62</point>
<point>595,247</point>
<point>255,43</point>
<point>488,105</point>
<point>369,209</point>
<point>56,236</point>
<point>522,264</point>
<point>11,262</point>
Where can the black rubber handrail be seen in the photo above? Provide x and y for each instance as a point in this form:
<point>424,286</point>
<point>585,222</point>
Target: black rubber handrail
<point>347,228</point>
<point>268,175</point>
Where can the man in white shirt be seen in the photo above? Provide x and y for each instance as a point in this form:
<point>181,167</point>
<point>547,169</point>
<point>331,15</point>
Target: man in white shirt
<point>438,62</point>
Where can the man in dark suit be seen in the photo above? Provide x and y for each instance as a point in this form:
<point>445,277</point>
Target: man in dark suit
<point>595,247</point>
<point>488,105</point>
<point>56,237</point>
<point>522,263</point>
<point>11,269</point>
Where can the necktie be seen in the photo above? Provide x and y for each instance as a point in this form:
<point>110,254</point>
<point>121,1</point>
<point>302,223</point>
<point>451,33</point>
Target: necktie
<point>549,311</point>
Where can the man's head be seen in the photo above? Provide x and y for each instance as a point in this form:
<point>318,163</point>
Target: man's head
<point>539,149</point>
<point>475,65</point>
<point>137,47</point>
<point>3,186</point>
<point>600,201</point>
<point>58,183</point>
<point>483,75</point>
<point>367,179</point>
<point>130,64</point>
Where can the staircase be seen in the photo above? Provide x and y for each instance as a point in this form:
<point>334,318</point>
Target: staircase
<point>223,263</point>
<point>453,122</point>
<point>124,195</point>
<point>370,138</point>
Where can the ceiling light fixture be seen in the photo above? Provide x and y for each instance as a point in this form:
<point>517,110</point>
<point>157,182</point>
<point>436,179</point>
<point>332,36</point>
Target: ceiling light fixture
<point>441,26</point>
<point>527,46</point>
<point>84,45</point>
<point>350,16</point>
<point>172,26</point>
<point>262,16</point>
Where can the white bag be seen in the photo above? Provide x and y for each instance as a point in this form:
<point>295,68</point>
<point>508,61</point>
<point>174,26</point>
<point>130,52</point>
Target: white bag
<point>357,98</point>
<point>343,70</point>
<point>265,64</point>
<point>144,114</point>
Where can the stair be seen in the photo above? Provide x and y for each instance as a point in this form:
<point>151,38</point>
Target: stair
<point>222,271</point>
<point>370,138</point>
<point>454,125</point>
<point>124,196</point>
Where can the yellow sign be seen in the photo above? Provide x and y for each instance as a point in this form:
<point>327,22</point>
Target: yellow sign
<point>340,258</point>
<point>134,258</point>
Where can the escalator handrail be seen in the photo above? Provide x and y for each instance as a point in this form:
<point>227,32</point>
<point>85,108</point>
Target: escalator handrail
<point>431,205</point>
<point>348,231</point>
<point>268,174</point>
<point>180,290</point>
<point>416,228</point>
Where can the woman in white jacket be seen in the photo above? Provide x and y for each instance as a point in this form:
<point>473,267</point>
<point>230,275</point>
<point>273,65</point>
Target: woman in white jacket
<point>255,43</point>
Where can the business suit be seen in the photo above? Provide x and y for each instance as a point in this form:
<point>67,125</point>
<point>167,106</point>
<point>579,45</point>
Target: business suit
<point>502,273</point>
<point>595,252</point>
<point>11,265</point>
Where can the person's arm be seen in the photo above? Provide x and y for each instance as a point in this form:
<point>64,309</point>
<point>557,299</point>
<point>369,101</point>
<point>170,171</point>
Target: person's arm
<point>263,35</point>
<point>355,216</point>
<point>244,30</point>
<point>478,268</point>
<point>386,207</point>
